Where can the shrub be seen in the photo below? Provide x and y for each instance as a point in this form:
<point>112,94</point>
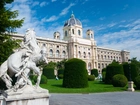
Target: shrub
<point>94,72</point>
<point>91,77</point>
<point>111,70</point>
<point>33,78</point>
<point>60,76</point>
<point>60,73</point>
<point>75,74</point>
<point>119,80</point>
<point>137,82</point>
<point>133,71</point>
<point>103,76</point>
<point>49,72</point>
<point>43,80</point>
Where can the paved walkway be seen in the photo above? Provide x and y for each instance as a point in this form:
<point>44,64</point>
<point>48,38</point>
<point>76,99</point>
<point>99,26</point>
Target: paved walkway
<point>111,98</point>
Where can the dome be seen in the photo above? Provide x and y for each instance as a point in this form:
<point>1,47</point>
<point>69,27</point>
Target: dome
<point>72,21</point>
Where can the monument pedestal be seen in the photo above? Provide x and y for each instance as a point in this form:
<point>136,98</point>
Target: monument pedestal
<point>28,96</point>
<point>130,86</point>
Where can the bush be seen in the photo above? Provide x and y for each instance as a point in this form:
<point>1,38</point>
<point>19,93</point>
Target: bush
<point>94,72</point>
<point>91,77</point>
<point>137,82</point>
<point>49,72</point>
<point>103,76</point>
<point>60,73</point>
<point>43,80</point>
<point>111,70</point>
<point>75,74</point>
<point>119,80</point>
<point>60,76</point>
<point>133,71</point>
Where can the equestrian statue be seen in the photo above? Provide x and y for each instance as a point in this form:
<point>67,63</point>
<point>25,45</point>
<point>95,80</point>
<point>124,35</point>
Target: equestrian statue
<point>22,61</point>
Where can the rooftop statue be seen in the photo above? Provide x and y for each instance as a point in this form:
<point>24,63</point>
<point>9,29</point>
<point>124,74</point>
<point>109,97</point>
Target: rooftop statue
<point>22,62</point>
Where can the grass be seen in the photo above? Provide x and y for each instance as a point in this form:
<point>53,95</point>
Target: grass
<point>55,86</point>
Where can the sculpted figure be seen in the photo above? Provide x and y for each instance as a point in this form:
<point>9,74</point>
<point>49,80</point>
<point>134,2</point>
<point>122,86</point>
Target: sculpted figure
<point>21,62</point>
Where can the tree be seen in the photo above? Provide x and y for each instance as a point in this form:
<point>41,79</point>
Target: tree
<point>111,70</point>
<point>136,63</point>
<point>8,24</point>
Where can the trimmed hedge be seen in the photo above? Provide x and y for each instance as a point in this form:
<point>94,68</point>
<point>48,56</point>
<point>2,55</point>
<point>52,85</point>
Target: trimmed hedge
<point>111,70</point>
<point>103,74</point>
<point>43,80</point>
<point>137,82</point>
<point>91,77</point>
<point>60,73</point>
<point>133,71</point>
<point>94,72</point>
<point>75,74</point>
<point>119,80</point>
<point>49,73</point>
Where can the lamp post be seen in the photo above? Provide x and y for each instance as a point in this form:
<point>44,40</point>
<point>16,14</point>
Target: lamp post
<point>130,82</point>
<point>129,68</point>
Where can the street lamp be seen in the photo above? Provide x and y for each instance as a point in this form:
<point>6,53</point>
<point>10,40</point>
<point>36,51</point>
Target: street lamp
<point>129,67</point>
<point>130,82</point>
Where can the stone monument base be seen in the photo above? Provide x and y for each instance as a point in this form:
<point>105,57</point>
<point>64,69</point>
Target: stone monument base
<point>29,95</point>
<point>130,86</point>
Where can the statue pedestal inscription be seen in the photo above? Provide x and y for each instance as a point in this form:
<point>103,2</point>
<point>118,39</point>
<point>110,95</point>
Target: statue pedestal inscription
<point>29,95</point>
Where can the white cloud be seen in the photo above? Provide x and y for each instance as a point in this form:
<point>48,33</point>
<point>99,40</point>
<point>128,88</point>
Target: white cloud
<point>54,18</point>
<point>54,0</point>
<point>35,3</point>
<point>101,18</point>
<point>128,39</point>
<point>42,4</point>
<point>112,24</point>
<point>65,10</point>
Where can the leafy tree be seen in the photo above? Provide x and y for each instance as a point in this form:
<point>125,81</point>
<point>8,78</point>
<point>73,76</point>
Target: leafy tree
<point>51,65</point>
<point>61,64</point>
<point>137,64</point>
<point>111,70</point>
<point>8,24</point>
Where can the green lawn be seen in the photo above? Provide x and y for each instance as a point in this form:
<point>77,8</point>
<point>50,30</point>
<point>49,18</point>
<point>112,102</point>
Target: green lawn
<point>55,86</point>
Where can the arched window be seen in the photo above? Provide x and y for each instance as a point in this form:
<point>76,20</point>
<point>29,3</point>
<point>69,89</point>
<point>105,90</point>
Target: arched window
<point>66,33</point>
<point>102,56</point>
<point>79,32</point>
<point>63,54</point>
<point>51,53</point>
<point>102,65</point>
<point>84,55</point>
<point>79,54</point>
<point>89,54</point>
<point>98,56</point>
<point>57,53</point>
<point>89,66</point>
<point>72,31</point>
<point>98,65</point>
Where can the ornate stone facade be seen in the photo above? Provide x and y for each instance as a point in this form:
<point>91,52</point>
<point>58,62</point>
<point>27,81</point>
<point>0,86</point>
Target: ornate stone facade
<point>73,45</point>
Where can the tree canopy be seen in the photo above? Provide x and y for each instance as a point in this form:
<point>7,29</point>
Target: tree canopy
<point>8,24</point>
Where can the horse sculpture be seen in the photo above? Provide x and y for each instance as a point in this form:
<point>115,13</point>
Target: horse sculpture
<point>21,62</point>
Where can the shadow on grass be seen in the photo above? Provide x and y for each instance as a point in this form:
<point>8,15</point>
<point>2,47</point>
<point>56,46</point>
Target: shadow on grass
<point>58,85</point>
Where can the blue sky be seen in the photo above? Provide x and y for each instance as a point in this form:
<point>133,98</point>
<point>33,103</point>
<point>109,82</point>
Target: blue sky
<point>116,23</point>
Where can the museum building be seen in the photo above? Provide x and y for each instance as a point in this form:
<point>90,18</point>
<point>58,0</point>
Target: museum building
<point>73,45</point>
